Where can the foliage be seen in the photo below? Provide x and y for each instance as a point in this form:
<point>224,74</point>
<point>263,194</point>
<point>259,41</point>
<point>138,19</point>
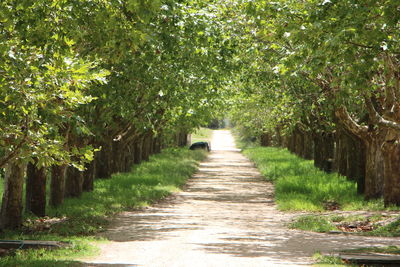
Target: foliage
<point>100,67</point>
<point>83,76</point>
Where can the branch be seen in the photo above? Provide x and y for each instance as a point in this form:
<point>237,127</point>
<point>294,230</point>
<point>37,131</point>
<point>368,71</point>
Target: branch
<point>371,47</point>
<point>12,154</point>
<point>350,124</point>
<point>377,118</point>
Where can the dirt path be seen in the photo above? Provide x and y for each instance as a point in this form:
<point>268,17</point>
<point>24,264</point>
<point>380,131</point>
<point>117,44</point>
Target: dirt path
<point>225,217</point>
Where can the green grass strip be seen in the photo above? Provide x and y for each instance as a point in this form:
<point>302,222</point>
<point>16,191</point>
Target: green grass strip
<point>299,186</point>
<point>148,182</point>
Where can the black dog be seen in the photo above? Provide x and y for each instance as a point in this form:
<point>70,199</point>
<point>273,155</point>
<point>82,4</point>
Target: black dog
<point>200,145</point>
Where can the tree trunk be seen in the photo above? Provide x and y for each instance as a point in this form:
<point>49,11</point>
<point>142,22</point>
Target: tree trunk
<point>374,167</point>
<point>324,148</point>
<point>36,190</point>
<point>57,185</point>
<point>138,151</point>
<point>74,182</point>
<point>356,161</point>
<point>157,145</point>
<point>104,161</point>
<point>278,137</point>
<point>265,139</point>
<point>341,151</point>
<point>350,157</point>
<point>291,142</point>
<point>317,151</point>
<point>146,148</point>
<point>308,148</point>
<point>299,143</point>
<point>88,177</point>
<point>151,145</point>
<point>373,138</point>
<point>118,152</point>
<point>11,208</point>
<point>391,154</point>
<point>329,151</point>
<point>182,138</point>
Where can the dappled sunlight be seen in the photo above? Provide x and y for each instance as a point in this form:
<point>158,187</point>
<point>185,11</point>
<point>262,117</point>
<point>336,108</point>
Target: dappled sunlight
<point>225,216</point>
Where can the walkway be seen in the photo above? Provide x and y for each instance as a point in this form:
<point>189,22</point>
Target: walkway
<point>224,217</point>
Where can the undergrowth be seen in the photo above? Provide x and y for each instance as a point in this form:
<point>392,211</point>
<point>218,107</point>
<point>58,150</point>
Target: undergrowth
<point>83,217</point>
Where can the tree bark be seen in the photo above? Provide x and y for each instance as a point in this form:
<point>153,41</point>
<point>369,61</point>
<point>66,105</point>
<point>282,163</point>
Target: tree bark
<point>11,208</point>
<point>146,148</point>
<point>74,182</point>
<point>341,151</point>
<point>350,157</point>
<point>265,139</point>
<point>138,151</point>
<point>373,139</point>
<point>182,138</point>
<point>103,162</point>
<point>157,145</point>
<point>374,173</point>
<point>57,185</point>
<point>88,177</point>
<point>308,146</point>
<point>391,153</point>
<point>324,151</point>
<point>278,137</point>
<point>36,190</point>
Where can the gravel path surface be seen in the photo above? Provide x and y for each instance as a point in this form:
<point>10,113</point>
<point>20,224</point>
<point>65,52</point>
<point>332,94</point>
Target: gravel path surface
<point>225,216</point>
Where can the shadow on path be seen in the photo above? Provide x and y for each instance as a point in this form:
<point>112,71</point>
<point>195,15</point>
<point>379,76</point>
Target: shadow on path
<point>225,216</point>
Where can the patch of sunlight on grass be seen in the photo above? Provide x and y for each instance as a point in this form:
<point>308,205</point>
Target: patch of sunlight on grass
<point>301,186</point>
<point>313,223</point>
<point>290,203</point>
<point>328,261</point>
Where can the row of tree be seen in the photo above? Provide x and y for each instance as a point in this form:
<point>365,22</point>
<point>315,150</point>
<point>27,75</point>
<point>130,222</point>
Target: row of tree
<point>324,81</point>
<point>90,87</point>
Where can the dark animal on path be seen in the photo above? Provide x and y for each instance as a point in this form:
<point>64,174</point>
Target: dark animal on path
<point>200,145</point>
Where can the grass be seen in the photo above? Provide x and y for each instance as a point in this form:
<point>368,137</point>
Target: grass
<point>148,182</point>
<point>392,229</point>
<point>313,223</point>
<point>61,257</point>
<point>326,223</point>
<point>299,186</point>
<point>302,187</point>
<point>328,261</point>
<point>202,134</point>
